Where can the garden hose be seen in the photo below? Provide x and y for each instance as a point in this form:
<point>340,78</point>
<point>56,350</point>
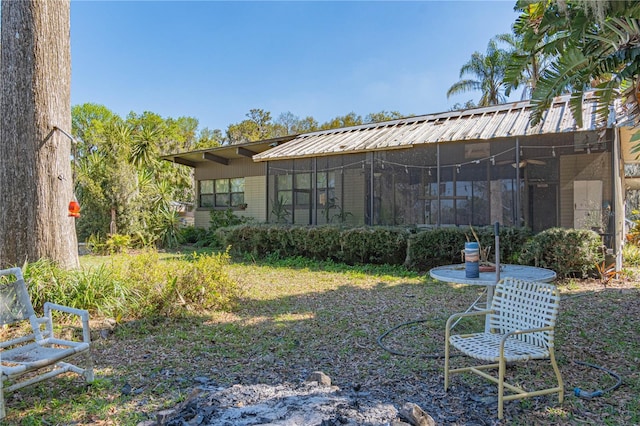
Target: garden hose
<point>588,395</point>
<point>392,352</point>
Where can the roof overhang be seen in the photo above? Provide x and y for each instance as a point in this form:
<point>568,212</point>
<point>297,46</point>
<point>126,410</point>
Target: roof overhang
<point>223,154</point>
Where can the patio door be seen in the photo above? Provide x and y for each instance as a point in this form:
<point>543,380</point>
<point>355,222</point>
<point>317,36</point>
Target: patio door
<point>587,204</point>
<point>543,206</point>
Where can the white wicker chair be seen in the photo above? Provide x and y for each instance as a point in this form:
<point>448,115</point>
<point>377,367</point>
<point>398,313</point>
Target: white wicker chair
<point>521,321</point>
<point>38,352</point>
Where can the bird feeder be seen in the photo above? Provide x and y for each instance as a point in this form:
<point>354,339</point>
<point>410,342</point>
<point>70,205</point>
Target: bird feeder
<point>74,208</point>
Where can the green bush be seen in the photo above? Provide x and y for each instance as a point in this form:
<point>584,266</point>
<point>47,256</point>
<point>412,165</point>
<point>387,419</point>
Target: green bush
<point>443,246</point>
<point>191,234</point>
<point>435,247</point>
<point>631,255</point>
<point>322,242</point>
<point>375,245</point>
<point>350,245</point>
<point>569,252</point>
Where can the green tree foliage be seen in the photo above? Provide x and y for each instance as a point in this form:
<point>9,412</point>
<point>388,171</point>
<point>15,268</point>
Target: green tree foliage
<point>121,184</point>
<point>378,117</point>
<point>351,119</point>
<point>257,126</point>
<point>461,106</point>
<point>526,62</point>
<point>595,45</point>
<point>487,72</point>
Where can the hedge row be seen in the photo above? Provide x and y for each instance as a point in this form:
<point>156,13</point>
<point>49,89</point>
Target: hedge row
<point>569,252</point>
<point>378,245</point>
<point>361,245</point>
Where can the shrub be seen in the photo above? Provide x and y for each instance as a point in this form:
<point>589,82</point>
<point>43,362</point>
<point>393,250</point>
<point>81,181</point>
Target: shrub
<point>375,245</point>
<point>224,218</point>
<point>322,242</point>
<point>631,255</point>
<point>569,252</point>
<point>442,246</point>
<point>191,234</point>
<point>435,247</point>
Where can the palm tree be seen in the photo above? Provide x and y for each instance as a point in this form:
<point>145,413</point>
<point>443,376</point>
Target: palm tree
<point>596,47</point>
<point>527,60</point>
<point>488,70</point>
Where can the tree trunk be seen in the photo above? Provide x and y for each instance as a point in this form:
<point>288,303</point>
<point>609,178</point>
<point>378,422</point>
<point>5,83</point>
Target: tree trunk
<point>35,168</point>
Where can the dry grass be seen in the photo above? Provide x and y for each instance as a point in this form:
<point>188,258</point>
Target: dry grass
<point>307,317</point>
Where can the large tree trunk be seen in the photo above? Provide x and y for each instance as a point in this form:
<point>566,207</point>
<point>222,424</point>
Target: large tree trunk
<point>35,169</point>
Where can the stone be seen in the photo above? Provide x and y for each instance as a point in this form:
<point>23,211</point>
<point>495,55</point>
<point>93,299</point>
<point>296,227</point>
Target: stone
<point>164,415</point>
<point>415,415</point>
<point>320,377</point>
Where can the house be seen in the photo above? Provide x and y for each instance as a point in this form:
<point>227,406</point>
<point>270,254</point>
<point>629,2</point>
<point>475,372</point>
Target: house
<point>456,168</point>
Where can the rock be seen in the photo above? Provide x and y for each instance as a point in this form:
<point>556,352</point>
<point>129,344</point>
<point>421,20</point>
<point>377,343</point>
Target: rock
<point>399,423</point>
<point>147,423</point>
<point>163,416</point>
<point>415,415</point>
<point>320,377</point>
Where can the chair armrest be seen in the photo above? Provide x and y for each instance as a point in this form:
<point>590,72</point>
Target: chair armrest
<point>513,333</point>
<point>82,313</point>
<point>469,314</point>
<point>459,315</point>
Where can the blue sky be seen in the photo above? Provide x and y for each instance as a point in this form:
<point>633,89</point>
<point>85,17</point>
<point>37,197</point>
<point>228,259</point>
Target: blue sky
<point>217,60</point>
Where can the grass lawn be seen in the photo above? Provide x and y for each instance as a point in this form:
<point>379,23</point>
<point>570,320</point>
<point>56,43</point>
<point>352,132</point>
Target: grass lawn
<point>297,317</point>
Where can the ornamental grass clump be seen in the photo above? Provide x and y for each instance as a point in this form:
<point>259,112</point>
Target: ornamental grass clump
<point>138,285</point>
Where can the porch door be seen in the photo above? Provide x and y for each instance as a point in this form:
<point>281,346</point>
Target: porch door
<point>587,204</point>
<point>543,206</point>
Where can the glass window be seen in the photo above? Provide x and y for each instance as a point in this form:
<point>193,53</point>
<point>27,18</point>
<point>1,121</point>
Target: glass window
<point>284,182</point>
<point>284,189</point>
<point>221,193</point>
<point>237,185</point>
<point>206,187</point>
<point>303,181</point>
<point>205,193</point>
<point>222,185</point>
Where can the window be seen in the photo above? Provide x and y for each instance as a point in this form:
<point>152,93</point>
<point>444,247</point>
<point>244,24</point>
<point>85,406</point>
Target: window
<point>221,192</point>
<point>326,184</point>
<point>284,184</point>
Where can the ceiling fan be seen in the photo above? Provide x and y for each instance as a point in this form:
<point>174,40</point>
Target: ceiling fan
<point>523,163</point>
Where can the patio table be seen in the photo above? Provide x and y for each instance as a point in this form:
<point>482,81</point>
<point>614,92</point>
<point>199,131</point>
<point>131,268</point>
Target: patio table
<point>456,274</point>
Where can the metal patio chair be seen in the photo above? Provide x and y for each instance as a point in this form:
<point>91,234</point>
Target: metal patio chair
<point>521,321</point>
<point>36,355</point>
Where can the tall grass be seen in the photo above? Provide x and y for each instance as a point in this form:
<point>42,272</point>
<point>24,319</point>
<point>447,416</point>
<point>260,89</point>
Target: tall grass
<point>133,286</point>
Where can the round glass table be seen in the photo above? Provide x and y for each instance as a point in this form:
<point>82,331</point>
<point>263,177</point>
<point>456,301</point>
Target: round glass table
<point>456,274</point>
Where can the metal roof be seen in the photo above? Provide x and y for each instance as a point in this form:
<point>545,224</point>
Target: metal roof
<point>494,122</point>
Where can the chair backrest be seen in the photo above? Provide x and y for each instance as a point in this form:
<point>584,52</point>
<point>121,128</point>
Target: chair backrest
<point>524,305</point>
<point>15,303</point>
